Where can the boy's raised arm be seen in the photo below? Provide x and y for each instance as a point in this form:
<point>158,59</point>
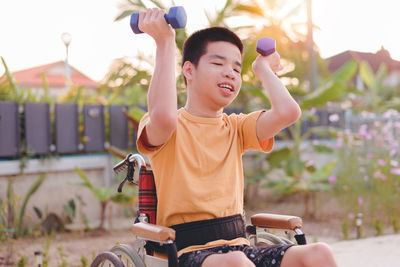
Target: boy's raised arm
<point>161,97</point>
<point>284,109</point>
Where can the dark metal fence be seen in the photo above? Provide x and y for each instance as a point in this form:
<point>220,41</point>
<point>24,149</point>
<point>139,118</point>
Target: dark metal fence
<point>37,129</point>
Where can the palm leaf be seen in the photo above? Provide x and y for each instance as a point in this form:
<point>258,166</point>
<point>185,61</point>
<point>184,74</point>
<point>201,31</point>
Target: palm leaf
<point>83,176</point>
<point>12,84</point>
<point>253,9</point>
<point>277,157</point>
<point>381,74</point>
<point>31,191</point>
<point>322,174</point>
<point>367,75</point>
<point>46,97</point>
<point>103,194</point>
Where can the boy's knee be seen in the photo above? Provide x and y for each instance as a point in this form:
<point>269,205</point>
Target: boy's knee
<point>231,259</point>
<point>318,254</point>
<point>237,258</point>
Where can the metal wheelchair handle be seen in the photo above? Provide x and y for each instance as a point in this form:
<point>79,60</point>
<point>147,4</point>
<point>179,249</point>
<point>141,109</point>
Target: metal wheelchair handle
<point>129,162</point>
<point>137,159</point>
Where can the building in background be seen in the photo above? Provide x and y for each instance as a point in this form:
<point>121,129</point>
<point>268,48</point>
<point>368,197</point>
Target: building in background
<point>56,79</point>
<point>374,59</point>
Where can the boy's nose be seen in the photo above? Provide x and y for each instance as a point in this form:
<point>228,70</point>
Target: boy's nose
<point>229,73</point>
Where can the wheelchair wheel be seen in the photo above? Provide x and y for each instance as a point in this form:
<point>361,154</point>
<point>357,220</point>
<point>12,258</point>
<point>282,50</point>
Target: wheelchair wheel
<point>128,256</point>
<point>107,259</point>
<point>266,239</point>
<point>287,241</point>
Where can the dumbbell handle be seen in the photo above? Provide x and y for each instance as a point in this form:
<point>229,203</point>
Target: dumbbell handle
<point>176,17</point>
<point>266,46</point>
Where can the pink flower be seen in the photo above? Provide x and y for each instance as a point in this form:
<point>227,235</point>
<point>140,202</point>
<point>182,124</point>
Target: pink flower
<point>381,162</point>
<point>395,171</point>
<point>380,175</point>
<point>332,179</point>
<point>362,131</point>
<point>351,216</point>
<point>309,163</point>
<point>334,117</point>
<point>339,142</point>
<point>360,201</point>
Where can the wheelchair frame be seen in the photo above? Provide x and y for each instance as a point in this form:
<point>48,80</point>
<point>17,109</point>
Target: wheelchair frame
<point>126,256</point>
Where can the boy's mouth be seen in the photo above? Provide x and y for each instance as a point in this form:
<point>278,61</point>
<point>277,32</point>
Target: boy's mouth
<point>226,86</point>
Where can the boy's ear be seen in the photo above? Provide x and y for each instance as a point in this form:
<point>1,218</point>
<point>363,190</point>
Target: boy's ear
<point>187,70</point>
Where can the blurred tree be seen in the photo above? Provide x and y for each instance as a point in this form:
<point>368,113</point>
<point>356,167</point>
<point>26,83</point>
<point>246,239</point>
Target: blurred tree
<point>377,96</point>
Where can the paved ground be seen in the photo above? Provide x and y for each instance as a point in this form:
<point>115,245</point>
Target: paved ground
<point>369,252</point>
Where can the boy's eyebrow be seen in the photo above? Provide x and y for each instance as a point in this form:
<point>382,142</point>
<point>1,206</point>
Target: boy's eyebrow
<point>223,58</point>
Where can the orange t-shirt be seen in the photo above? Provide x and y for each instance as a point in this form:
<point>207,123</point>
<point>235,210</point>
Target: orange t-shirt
<point>198,172</point>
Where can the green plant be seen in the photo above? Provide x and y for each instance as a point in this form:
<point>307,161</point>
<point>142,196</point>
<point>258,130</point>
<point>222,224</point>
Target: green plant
<point>367,177</point>
<point>84,261</point>
<point>106,195</point>
<point>22,262</point>
<point>9,90</point>
<point>300,175</point>
<point>63,259</point>
<point>70,209</point>
<point>46,257</point>
<point>373,95</point>
<point>378,225</point>
<point>395,223</point>
<point>345,229</point>
<point>15,223</point>
<point>32,190</point>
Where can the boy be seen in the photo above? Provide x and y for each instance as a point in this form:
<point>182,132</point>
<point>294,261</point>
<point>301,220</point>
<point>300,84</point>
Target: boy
<point>196,151</point>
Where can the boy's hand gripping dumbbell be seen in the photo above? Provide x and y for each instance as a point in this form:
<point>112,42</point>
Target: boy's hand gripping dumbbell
<point>266,46</point>
<point>176,17</point>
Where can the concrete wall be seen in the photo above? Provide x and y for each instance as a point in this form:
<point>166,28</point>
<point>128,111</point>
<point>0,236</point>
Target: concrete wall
<point>58,188</point>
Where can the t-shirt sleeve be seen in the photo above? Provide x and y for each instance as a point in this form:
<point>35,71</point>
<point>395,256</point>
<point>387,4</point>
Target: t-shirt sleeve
<point>247,131</point>
<point>141,145</point>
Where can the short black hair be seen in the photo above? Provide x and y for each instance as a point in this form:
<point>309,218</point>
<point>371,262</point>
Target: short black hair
<point>195,46</point>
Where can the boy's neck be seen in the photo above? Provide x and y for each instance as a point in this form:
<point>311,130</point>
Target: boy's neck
<point>203,112</point>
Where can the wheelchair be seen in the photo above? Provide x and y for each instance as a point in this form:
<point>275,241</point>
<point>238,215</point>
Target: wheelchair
<point>149,236</point>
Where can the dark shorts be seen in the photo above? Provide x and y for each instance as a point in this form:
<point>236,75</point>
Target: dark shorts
<point>260,256</point>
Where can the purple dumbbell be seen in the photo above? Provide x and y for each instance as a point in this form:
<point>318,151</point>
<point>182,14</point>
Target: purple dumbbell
<point>176,17</point>
<point>266,46</point>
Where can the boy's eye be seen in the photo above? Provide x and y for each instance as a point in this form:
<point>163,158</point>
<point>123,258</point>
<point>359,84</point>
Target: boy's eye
<point>217,63</point>
<point>238,71</point>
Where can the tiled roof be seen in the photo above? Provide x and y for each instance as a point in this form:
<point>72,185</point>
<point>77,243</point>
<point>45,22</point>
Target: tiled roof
<point>55,76</point>
<point>374,59</point>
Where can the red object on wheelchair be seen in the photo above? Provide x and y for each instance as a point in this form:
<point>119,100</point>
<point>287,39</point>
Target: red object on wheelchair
<point>147,195</point>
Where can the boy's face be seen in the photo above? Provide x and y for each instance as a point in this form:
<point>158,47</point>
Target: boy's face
<point>216,80</point>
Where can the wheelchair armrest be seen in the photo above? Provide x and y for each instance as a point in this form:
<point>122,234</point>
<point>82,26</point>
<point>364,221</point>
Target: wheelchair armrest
<point>153,232</point>
<point>284,222</point>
